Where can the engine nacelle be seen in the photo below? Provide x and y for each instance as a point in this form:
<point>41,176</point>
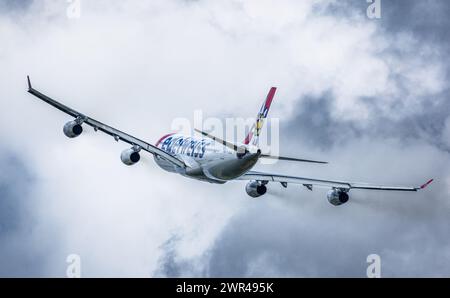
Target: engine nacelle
<point>72,129</point>
<point>255,189</point>
<point>337,197</point>
<point>130,156</point>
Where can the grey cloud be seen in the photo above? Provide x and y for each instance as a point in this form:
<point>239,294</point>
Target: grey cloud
<point>425,19</point>
<point>121,220</point>
<point>315,126</point>
<point>294,238</point>
<point>23,251</point>
<point>15,184</point>
<point>8,6</point>
<point>427,22</point>
<point>171,264</point>
<point>298,237</point>
<point>276,242</point>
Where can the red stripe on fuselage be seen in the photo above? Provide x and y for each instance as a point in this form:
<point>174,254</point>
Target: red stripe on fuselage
<point>160,140</point>
<point>248,138</point>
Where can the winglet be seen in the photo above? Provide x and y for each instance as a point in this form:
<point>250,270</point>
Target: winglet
<point>29,83</point>
<point>426,184</point>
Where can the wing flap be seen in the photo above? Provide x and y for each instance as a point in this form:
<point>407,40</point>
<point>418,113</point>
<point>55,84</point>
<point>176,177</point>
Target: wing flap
<point>259,176</point>
<point>251,175</point>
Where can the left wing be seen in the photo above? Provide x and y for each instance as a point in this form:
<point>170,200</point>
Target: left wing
<point>309,182</point>
<point>97,125</point>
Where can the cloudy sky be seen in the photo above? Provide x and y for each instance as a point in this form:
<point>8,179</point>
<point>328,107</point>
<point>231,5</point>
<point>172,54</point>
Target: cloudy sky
<point>369,95</point>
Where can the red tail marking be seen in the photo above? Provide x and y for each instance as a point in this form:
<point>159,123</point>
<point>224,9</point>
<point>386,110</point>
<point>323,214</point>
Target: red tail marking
<point>248,138</point>
<point>270,97</point>
<point>426,184</point>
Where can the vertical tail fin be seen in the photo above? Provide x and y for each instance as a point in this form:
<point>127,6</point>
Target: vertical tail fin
<point>255,131</point>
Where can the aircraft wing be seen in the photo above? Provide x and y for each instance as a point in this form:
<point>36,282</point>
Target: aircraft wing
<point>309,182</point>
<point>97,125</point>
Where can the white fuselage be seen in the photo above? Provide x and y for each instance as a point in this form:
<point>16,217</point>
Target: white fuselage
<point>205,159</point>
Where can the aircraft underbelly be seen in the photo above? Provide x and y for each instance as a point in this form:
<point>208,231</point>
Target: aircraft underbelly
<point>230,169</point>
<point>165,165</point>
<point>213,169</point>
<point>193,173</point>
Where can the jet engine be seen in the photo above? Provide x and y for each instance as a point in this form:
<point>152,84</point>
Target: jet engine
<point>130,156</point>
<point>337,197</point>
<point>72,129</point>
<point>255,189</point>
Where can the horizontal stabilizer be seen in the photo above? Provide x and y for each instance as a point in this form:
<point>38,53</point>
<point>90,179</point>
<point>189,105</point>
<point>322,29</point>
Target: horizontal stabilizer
<point>234,147</point>
<point>292,159</point>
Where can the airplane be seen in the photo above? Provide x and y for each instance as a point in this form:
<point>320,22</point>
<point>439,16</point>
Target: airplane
<point>212,159</point>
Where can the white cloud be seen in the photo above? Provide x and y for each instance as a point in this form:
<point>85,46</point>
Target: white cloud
<point>139,64</point>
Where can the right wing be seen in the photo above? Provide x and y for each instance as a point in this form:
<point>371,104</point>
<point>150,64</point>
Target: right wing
<point>309,182</point>
<point>97,125</point>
